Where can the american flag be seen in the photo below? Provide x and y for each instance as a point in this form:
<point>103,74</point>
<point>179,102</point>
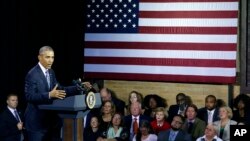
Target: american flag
<point>161,40</point>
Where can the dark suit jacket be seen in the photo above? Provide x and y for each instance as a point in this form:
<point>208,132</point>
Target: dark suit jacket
<point>128,120</point>
<point>119,105</point>
<point>181,136</point>
<point>202,114</point>
<point>8,126</point>
<point>173,110</point>
<point>37,92</point>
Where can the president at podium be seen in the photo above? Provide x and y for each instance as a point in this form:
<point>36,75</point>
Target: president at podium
<point>41,87</point>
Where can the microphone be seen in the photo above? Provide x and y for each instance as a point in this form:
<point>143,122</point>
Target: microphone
<point>79,85</point>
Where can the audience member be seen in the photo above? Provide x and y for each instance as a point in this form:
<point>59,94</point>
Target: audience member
<point>210,112</point>
<point>151,102</point>
<point>11,121</point>
<point>179,107</point>
<point>193,125</point>
<point>133,120</point>
<point>241,114</point>
<point>116,130</point>
<point>222,126</point>
<point>145,133</point>
<point>210,134</point>
<point>159,123</point>
<point>175,133</point>
<point>107,94</point>
<point>134,96</point>
<point>92,132</point>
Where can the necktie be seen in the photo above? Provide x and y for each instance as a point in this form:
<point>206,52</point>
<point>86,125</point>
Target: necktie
<point>172,136</point>
<point>47,78</point>
<point>190,126</point>
<point>16,116</point>
<point>210,119</point>
<point>135,126</point>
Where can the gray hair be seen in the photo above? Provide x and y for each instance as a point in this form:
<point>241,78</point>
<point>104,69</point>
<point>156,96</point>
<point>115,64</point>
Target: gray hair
<point>45,48</point>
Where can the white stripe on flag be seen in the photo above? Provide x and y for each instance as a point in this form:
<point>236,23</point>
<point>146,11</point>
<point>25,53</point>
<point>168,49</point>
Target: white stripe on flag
<point>137,53</point>
<point>181,38</point>
<point>141,69</point>
<point>188,6</point>
<point>188,22</point>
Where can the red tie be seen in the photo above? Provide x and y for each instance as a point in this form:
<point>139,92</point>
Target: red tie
<point>135,126</point>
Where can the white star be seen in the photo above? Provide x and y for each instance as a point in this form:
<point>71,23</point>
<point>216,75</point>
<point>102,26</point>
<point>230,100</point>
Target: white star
<point>102,1</point>
<point>111,1</point>
<point>97,16</point>
<point>129,20</point>
<point>134,5</point>
<point>111,10</point>
<point>106,5</point>
<point>88,15</point>
<point>120,1</point>
<point>102,20</point>
<point>93,1</point>
<point>125,5</point>
<point>134,25</point>
<point>116,5</point>
<point>129,1</point>
<point>106,25</point>
<point>111,20</point>
<point>134,15</point>
<point>120,10</point>
<point>129,10</point>
<point>88,5</point>
<point>93,10</point>
<point>106,15</point>
<point>97,5</point>
<point>124,25</point>
<point>88,25</point>
<point>124,15</point>
<point>102,10</point>
<point>115,25</point>
<point>93,20</point>
<point>115,15</point>
<point>120,20</point>
<point>97,25</point>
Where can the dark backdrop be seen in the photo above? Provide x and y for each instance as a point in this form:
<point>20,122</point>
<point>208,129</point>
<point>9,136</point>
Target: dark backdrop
<point>25,26</point>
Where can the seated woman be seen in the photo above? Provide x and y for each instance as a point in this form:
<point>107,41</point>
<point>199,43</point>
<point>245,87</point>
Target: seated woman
<point>151,102</point>
<point>116,130</point>
<point>222,126</point>
<point>92,132</point>
<point>134,96</point>
<point>107,111</point>
<point>145,133</point>
<point>160,122</point>
<point>241,114</point>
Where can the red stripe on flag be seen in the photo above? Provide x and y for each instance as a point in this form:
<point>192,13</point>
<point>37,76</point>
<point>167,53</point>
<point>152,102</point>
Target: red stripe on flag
<point>188,14</point>
<point>189,1</point>
<point>188,30</point>
<point>163,46</point>
<point>152,77</point>
<point>161,62</point>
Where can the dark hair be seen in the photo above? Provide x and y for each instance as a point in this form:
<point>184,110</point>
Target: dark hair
<point>192,106</point>
<point>210,96</point>
<point>122,121</point>
<point>181,117</point>
<point>161,102</point>
<point>11,94</point>
<point>182,95</point>
<point>146,124</point>
<point>241,97</point>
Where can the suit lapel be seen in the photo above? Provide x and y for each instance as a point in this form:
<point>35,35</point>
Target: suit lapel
<point>42,76</point>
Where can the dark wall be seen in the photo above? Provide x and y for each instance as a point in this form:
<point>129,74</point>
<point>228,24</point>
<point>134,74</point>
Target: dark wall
<point>25,26</point>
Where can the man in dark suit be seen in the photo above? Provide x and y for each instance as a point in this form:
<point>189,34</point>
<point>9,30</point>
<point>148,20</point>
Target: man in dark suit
<point>41,87</point>
<point>11,125</point>
<point>175,133</point>
<point>178,108</point>
<point>136,116</point>
<point>210,112</point>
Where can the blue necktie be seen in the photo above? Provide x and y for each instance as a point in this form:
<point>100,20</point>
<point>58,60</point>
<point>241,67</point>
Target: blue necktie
<point>16,115</point>
<point>47,78</point>
<point>172,136</point>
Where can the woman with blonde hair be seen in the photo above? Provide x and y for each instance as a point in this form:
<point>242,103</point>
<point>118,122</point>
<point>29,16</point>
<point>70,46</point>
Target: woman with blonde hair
<point>222,126</point>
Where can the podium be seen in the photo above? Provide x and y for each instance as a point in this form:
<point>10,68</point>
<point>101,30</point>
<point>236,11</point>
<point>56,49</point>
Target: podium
<point>72,109</point>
